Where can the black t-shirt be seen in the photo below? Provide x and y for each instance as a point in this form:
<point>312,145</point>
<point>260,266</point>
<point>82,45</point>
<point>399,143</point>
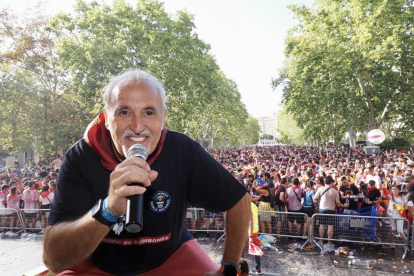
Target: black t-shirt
<point>270,184</point>
<point>372,196</point>
<point>187,174</point>
<point>280,189</point>
<point>352,190</point>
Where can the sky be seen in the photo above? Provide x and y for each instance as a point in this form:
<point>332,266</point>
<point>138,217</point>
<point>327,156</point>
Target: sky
<point>246,39</point>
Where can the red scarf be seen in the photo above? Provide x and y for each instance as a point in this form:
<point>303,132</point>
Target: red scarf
<point>99,139</point>
<point>371,190</point>
<point>44,194</point>
<point>10,197</point>
<point>33,189</point>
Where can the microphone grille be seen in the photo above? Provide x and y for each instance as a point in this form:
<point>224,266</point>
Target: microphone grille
<point>139,151</point>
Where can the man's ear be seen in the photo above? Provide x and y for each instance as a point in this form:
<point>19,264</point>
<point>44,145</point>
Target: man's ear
<point>106,119</point>
<point>165,118</point>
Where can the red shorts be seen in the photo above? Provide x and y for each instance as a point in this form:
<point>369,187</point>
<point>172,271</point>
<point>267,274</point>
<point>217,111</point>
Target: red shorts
<point>177,265</point>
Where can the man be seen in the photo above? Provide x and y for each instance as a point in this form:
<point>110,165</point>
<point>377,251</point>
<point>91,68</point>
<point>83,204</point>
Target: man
<point>373,176</point>
<point>269,183</point>
<point>346,191</point>
<point>328,197</point>
<point>372,195</point>
<point>280,198</point>
<point>178,172</point>
<point>407,181</point>
<point>57,163</point>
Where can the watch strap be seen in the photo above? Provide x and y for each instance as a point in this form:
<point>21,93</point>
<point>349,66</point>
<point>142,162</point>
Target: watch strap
<point>229,269</point>
<point>97,214</point>
<point>106,214</point>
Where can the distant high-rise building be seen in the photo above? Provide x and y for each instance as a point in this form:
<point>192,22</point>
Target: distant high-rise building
<point>268,125</point>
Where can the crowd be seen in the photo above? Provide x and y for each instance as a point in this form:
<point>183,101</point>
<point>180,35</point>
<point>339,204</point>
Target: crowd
<point>280,178</point>
<point>27,189</point>
<point>322,180</point>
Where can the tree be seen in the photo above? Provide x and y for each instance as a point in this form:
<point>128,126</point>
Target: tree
<point>100,41</point>
<point>252,130</point>
<point>349,64</point>
<point>288,128</point>
<point>31,80</point>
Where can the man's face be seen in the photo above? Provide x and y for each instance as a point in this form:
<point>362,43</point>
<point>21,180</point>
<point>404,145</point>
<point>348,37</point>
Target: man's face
<point>135,116</point>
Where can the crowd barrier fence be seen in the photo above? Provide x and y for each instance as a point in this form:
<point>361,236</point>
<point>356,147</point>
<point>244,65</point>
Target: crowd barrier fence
<point>362,229</point>
<point>11,219</point>
<point>278,224</point>
<point>297,225</point>
<point>412,240</point>
<point>29,219</point>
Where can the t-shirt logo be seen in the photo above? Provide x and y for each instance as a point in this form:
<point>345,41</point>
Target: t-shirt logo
<point>160,201</point>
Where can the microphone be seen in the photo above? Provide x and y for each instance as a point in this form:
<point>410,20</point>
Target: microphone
<point>135,203</point>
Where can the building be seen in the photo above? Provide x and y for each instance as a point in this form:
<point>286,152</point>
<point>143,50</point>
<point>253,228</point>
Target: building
<point>268,125</point>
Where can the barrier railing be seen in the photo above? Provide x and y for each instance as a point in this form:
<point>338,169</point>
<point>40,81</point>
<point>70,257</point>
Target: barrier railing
<point>412,240</point>
<point>11,219</point>
<point>361,229</point>
<point>285,224</point>
<point>278,224</point>
<point>200,220</point>
<point>34,219</point>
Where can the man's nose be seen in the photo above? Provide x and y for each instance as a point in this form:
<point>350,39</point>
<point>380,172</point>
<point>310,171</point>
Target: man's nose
<point>137,124</point>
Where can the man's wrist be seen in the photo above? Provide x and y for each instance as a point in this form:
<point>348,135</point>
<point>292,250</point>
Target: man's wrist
<point>106,213</point>
<point>230,269</point>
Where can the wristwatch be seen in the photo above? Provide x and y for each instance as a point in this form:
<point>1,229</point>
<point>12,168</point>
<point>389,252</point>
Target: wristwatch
<point>229,269</point>
<point>97,214</point>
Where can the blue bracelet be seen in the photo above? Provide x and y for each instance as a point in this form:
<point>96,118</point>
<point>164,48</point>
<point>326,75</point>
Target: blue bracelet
<point>106,213</point>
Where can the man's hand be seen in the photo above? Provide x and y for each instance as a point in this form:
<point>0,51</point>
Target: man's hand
<point>132,170</point>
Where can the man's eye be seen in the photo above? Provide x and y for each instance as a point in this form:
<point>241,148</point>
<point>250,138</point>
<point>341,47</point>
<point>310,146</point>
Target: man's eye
<point>124,112</point>
<point>149,113</point>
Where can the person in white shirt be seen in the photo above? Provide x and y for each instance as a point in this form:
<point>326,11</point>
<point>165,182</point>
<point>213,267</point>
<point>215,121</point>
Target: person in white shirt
<point>328,197</point>
<point>372,176</point>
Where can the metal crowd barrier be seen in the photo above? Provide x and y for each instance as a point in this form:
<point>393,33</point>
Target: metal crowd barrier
<point>200,220</point>
<point>285,224</point>
<point>11,219</point>
<point>26,219</point>
<point>279,224</point>
<point>412,240</point>
<point>362,229</point>
<point>36,216</point>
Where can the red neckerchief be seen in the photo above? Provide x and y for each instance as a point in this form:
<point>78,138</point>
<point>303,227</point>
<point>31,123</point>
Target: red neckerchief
<point>10,197</point>
<point>370,190</point>
<point>33,189</point>
<point>99,139</point>
<point>44,194</point>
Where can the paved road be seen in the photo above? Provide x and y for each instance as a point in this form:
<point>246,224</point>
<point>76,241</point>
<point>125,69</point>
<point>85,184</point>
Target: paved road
<point>17,257</point>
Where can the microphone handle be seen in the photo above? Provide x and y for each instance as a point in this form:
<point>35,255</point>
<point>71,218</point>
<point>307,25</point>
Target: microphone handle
<point>134,212</point>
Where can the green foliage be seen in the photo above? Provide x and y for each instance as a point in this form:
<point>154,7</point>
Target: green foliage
<point>266,136</point>
<point>52,74</point>
<point>396,143</point>
<point>349,66</point>
<point>290,132</point>
<point>252,130</point>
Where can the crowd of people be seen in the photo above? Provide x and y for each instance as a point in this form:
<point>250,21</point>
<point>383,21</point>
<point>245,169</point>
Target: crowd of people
<point>296,178</point>
<point>322,180</point>
<point>27,189</point>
